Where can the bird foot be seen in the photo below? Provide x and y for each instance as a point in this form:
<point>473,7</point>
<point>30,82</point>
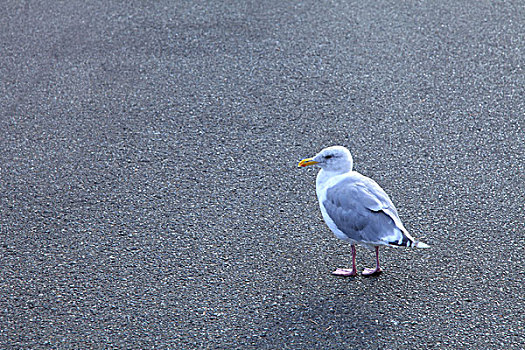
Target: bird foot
<point>372,272</point>
<point>344,272</point>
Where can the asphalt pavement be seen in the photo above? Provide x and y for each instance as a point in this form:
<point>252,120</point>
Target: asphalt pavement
<point>149,190</point>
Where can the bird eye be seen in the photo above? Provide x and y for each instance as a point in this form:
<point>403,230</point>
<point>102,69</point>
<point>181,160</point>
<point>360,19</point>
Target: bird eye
<point>328,156</point>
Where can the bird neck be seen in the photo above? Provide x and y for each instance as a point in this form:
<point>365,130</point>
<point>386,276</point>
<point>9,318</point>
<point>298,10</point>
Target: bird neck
<point>324,175</point>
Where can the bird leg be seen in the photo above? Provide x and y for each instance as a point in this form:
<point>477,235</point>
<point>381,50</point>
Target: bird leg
<point>377,270</point>
<point>348,272</point>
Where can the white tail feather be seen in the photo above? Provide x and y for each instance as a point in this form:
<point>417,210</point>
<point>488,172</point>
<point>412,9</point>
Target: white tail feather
<point>421,245</point>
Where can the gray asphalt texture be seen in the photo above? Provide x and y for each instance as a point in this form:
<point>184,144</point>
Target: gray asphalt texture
<point>149,190</point>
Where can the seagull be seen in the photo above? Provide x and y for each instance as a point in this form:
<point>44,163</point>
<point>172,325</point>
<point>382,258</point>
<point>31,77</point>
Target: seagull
<point>356,208</point>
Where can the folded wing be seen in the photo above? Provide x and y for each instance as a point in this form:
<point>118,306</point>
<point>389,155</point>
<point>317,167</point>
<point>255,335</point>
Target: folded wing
<point>362,210</point>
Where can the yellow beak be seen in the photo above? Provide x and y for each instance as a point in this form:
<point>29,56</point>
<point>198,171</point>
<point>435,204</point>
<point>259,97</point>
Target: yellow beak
<point>306,162</point>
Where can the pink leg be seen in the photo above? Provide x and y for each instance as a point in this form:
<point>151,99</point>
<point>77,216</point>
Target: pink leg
<point>348,272</point>
<point>377,270</point>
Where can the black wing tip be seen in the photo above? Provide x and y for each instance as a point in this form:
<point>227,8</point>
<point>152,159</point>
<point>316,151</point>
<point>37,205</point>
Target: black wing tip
<point>404,242</point>
<point>407,242</point>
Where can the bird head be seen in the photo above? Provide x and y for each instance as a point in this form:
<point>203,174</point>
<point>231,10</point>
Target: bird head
<point>333,159</point>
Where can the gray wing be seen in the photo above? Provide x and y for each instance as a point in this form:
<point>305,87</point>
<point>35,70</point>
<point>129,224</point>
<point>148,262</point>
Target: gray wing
<point>363,211</point>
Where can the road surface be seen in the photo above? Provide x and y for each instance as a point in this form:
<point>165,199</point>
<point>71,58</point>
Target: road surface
<point>149,193</point>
